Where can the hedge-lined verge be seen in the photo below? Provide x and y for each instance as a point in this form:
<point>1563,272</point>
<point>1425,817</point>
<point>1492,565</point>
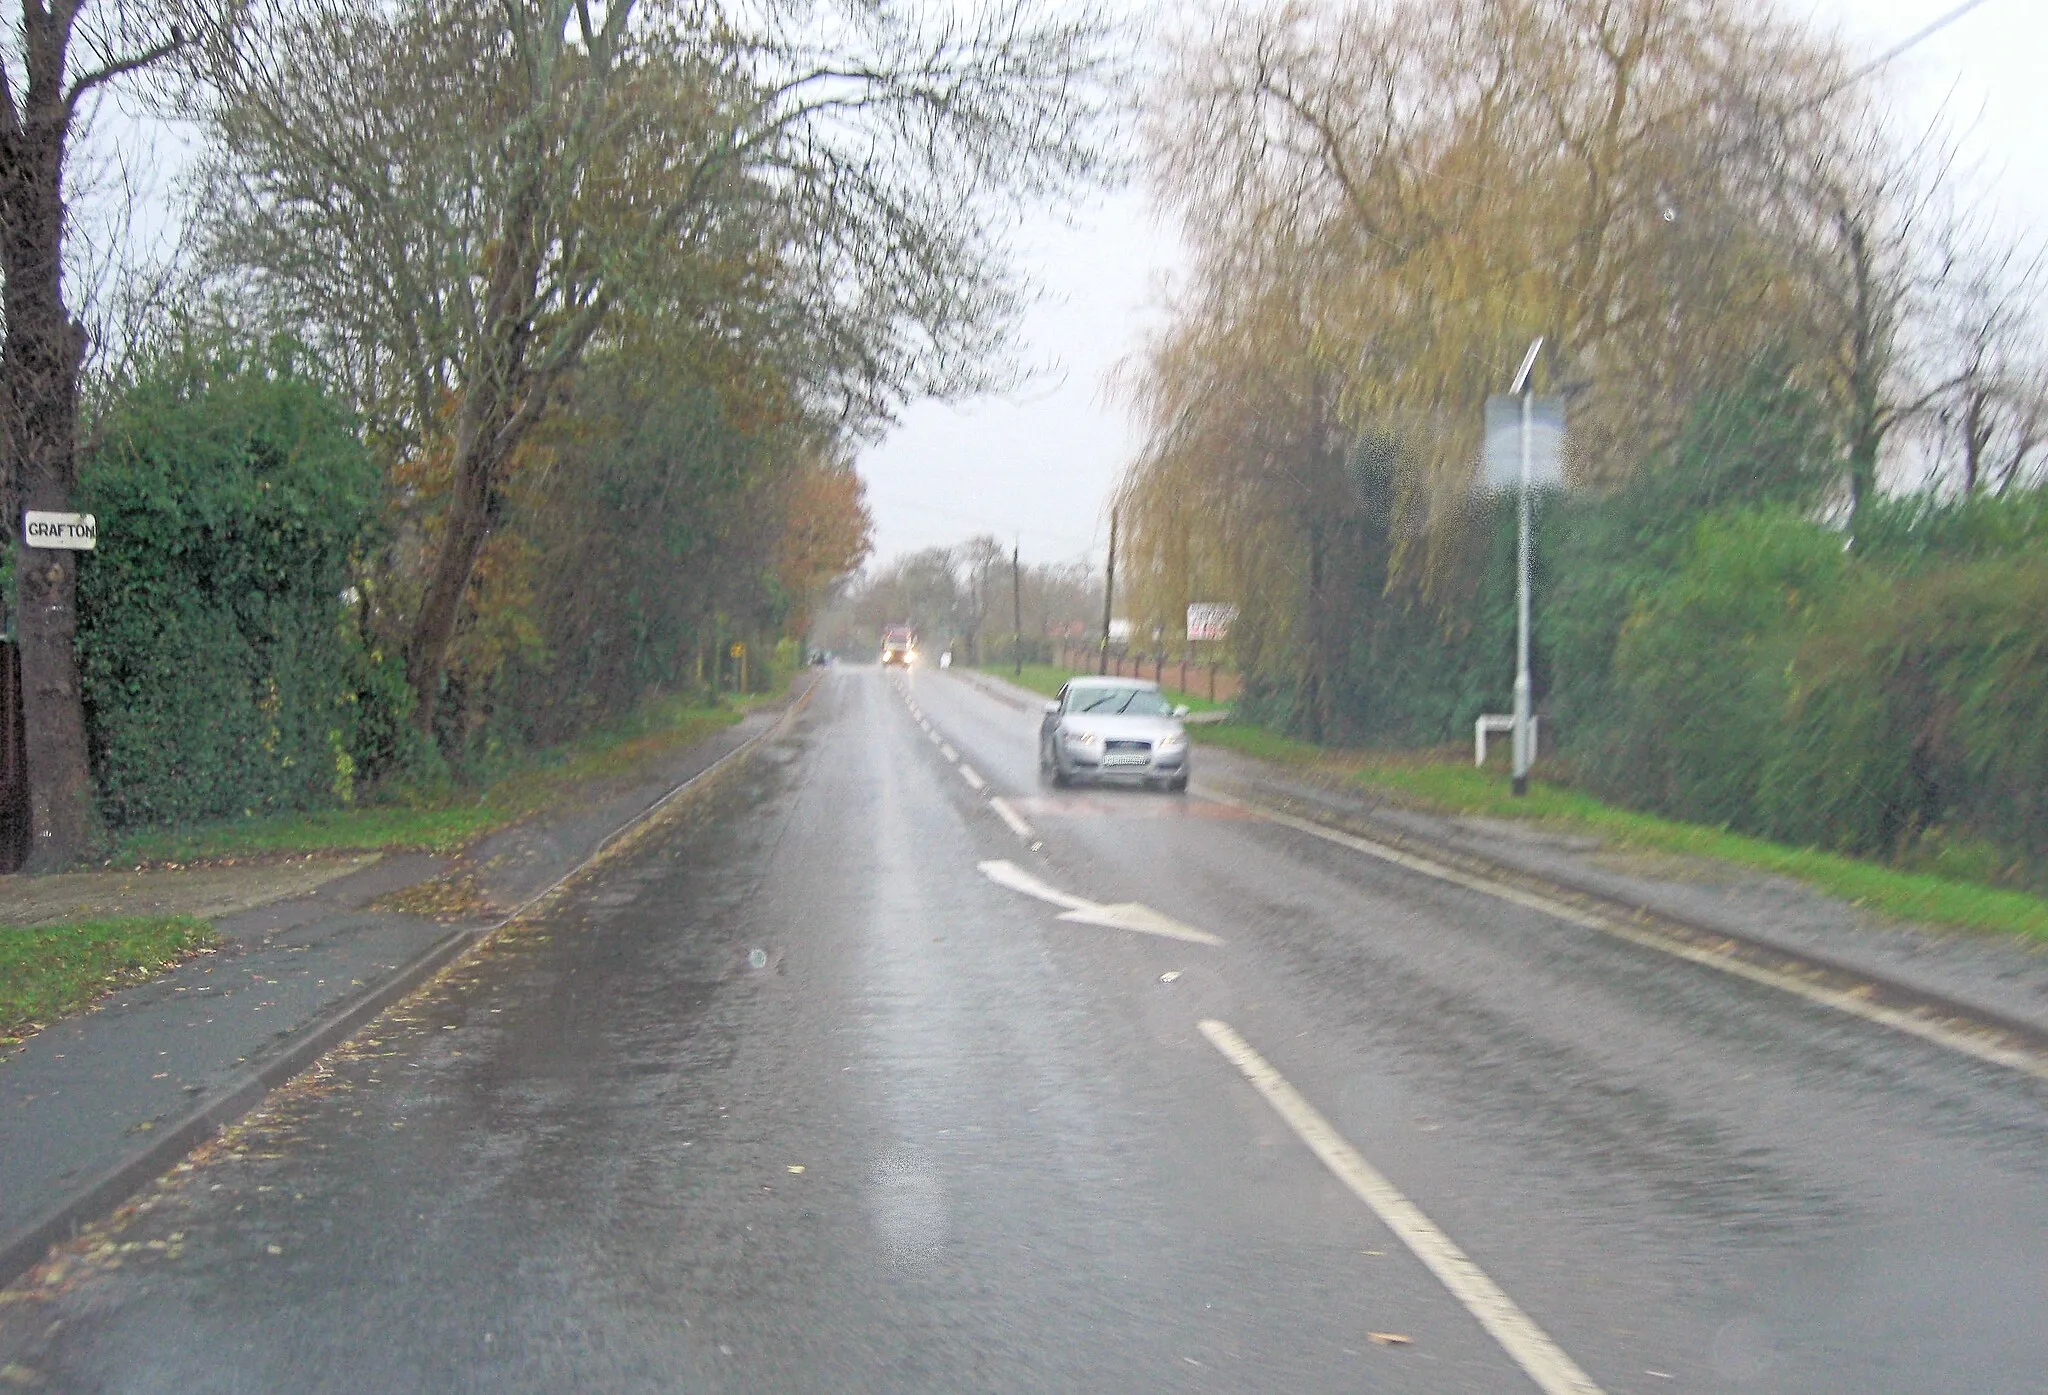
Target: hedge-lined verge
<point>222,675</point>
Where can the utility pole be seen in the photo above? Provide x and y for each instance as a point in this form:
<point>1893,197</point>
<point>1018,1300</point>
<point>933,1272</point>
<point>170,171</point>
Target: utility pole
<point>1108,596</point>
<point>1017,608</point>
<point>1524,756</point>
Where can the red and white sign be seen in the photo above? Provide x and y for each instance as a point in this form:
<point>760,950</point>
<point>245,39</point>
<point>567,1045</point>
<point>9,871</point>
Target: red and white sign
<point>1210,620</point>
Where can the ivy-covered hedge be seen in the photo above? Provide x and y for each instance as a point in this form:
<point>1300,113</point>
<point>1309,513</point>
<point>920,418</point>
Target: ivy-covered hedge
<point>222,674</point>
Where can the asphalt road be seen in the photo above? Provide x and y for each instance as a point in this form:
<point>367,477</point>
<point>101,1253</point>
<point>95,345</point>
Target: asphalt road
<point>798,1096</point>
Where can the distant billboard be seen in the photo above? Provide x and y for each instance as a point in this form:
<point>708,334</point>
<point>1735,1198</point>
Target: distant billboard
<point>1210,620</point>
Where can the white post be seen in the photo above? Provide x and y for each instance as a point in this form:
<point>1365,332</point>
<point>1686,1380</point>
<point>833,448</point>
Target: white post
<point>1524,752</point>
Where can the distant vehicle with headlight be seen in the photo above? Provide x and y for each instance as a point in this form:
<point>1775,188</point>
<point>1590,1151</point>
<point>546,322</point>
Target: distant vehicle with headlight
<point>1113,729</point>
<point>899,646</point>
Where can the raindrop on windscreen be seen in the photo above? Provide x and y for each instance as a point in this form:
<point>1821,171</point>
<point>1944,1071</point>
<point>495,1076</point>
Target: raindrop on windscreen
<point>758,958</point>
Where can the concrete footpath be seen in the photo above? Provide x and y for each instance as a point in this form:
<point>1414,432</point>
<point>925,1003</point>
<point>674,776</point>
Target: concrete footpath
<point>1996,980</point>
<point>96,1105</point>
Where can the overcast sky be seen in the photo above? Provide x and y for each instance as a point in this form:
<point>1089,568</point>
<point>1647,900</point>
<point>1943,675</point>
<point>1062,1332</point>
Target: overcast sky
<point>1038,466</point>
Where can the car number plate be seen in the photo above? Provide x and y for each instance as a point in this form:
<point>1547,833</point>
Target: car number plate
<point>1126,758</point>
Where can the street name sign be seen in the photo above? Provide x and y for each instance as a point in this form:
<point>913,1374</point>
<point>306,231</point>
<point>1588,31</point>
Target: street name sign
<point>72,532</point>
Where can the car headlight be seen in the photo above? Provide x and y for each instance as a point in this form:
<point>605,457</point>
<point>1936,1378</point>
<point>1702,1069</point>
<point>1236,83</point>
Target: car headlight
<point>1173,741</point>
<point>1081,738</point>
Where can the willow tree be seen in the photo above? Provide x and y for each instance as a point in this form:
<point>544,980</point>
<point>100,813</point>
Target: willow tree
<point>1385,203</point>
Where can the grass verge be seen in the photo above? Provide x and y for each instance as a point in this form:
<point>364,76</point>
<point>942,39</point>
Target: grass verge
<point>447,817</point>
<point>1446,782</point>
<point>48,971</point>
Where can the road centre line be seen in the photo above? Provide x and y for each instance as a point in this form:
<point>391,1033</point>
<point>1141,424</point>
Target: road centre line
<point>1010,816</point>
<point>948,752</point>
<point>1540,1358</point>
<point>1939,1034</point>
<point>967,774</point>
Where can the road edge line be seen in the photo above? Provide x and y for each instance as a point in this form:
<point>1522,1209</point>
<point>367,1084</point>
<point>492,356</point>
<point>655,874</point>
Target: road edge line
<point>1528,1345</point>
<point>2031,1058</point>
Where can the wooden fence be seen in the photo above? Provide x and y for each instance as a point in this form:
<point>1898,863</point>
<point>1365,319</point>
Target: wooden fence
<point>1182,674</point>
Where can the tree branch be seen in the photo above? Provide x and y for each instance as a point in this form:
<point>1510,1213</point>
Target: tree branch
<point>120,68</point>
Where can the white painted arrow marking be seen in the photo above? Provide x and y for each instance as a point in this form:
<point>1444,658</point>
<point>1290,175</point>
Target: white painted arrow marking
<point>1009,874</point>
<point>1129,915</point>
<point>1124,915</point>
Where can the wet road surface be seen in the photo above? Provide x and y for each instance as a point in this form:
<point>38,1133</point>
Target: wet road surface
<point>796,1096</point>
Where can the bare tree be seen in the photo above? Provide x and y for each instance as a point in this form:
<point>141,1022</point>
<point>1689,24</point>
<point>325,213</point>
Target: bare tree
<point>1990,418</point>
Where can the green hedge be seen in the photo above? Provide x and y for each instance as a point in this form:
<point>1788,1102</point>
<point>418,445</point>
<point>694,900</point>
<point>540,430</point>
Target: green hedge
<point>221,672</point>
<point>1708,646</point>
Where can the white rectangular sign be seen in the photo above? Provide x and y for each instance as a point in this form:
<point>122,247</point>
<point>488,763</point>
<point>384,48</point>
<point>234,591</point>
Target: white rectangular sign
<point>1210,620</point>
<point>73,532</point>
<point>1120,631</point>
<point>1504,443</point>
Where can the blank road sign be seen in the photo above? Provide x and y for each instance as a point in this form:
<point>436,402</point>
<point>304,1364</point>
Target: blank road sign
<point>1504,443</point>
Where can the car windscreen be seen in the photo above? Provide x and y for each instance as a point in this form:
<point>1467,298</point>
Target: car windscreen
<point>1126,702</point>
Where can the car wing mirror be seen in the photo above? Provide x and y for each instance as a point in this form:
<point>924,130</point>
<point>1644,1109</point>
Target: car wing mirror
<point>1052,707</point>
<point>1181,711</point>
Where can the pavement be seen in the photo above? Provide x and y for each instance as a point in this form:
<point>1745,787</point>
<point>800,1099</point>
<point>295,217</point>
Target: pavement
<point>87,1103</point>
<point>890,1069</point>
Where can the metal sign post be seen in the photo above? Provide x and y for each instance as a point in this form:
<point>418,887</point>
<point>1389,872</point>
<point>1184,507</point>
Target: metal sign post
<point>1525,437</point>
<point>1524,752</point>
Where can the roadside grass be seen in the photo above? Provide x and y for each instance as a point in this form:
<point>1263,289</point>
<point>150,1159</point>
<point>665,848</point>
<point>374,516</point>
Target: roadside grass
<point>49,971</point>
<point>1445,781</point>
<point>446,816</point>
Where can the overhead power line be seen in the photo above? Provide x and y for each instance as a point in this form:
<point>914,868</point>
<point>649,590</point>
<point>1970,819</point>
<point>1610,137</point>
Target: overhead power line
<point>1905,44</point>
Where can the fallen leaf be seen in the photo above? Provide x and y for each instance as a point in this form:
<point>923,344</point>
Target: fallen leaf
<point>1389,1339</point>
<point>796,1167</point>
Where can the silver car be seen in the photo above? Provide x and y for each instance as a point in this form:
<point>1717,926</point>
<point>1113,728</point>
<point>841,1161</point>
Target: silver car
<point>1113,729</point>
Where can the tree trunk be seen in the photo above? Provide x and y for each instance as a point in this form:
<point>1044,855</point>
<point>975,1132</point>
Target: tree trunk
<point>465,530</point>
<point>1869,346</point>
<point>485,437</point>
<point>39,399</point>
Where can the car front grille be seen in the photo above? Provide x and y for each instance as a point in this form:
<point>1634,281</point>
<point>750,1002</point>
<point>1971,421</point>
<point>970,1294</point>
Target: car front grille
<point>1133,748</point>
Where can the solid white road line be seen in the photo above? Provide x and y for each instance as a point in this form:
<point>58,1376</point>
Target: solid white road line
<point>1544,1361</point>
<point>1124,915</point>
<point>967,774</point>
<point>1010,817</point>
<point>1988,1048</point>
